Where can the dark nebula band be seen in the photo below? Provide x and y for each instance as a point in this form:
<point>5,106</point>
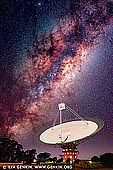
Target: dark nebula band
<point>51,68</point>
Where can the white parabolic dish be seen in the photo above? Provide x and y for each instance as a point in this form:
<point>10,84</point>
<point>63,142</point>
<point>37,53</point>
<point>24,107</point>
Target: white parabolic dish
<point>68,132</point>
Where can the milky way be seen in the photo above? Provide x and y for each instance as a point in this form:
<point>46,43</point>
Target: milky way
<point>51,70</point>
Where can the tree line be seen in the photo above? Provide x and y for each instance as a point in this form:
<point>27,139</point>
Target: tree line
<point>106,159</point>
<point>12,151</point>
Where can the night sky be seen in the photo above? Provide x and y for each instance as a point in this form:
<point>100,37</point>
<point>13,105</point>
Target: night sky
<point>54,51</point>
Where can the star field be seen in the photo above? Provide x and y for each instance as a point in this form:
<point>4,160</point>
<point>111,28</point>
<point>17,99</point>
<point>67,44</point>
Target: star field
<point>55,52</point>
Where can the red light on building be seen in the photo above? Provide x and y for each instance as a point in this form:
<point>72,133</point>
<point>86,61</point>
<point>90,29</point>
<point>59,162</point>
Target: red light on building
<point>69,152</point>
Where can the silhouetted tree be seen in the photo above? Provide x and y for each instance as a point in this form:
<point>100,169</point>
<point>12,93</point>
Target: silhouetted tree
<point>95,159</point>
<point>77,161</point>
<point>54,159</point>
<point>29,156</point>
<point>107,159</point>
<point>59,160</point>
<point>42,157</point>
<point>10,150</point>
<point>19,153</point>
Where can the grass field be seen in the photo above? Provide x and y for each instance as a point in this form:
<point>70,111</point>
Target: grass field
<point>21,166</point>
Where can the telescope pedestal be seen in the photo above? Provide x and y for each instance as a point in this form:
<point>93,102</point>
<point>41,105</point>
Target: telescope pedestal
<point>70,152</point>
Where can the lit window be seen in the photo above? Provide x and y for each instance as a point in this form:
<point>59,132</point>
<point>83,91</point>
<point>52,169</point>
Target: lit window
<point>75,156</point>
<point>68,153</point>
<point>65,156</point>
<point>70,156</point>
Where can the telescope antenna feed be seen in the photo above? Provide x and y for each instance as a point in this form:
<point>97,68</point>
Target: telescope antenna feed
<point>69,134</point>
<point>63,106</point>
<point>76,114</point>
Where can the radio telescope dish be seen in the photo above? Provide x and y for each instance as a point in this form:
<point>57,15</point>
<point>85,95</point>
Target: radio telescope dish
<point>69,132</point>
<point>73,131</point>
<point>68,135</point>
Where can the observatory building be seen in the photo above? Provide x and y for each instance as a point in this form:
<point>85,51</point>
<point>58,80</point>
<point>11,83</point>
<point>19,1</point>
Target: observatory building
<point>69,152</point>
<point>68,135</point>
